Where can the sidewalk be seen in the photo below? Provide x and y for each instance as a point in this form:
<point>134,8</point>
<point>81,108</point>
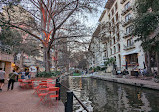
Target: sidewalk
<point>130,81</point>
<point>23,100</point>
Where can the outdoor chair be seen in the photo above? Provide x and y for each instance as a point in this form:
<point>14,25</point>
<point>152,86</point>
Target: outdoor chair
<point>40,87</point>
<point>31,84</point>
<point>50,85</point>
<point>42,97</point>
<point>53,93</point>
<point>20,82</point>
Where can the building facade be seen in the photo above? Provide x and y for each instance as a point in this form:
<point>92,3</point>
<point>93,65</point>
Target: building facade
<point>115,37</point>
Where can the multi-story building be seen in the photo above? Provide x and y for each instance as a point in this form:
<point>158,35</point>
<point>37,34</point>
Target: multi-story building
<point>115,36</point>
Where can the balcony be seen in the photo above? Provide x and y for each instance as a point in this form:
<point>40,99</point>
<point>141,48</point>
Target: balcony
<point>127,35</point>
<point>128,47</point>
<point>122,1</point>
<point>127,22</point>
<point>105,58</point>
<point>126,10</point>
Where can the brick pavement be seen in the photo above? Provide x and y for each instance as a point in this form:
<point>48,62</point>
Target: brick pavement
<point>20,100</point>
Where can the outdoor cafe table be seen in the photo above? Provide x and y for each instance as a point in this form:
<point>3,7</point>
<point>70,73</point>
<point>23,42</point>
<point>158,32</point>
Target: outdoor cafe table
<point>26,83</point>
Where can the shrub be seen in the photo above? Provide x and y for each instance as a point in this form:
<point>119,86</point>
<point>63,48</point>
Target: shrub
<point>98,68</point>
<point>94,69</point>
<point>104,68</point>
<point>90,68</point>
<point>48,74</point>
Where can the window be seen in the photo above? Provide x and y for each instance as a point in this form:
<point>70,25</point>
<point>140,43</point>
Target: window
<point>127,18</point>
<point>113,21</point>
<point>129,29</point>
<point>112,11</point>
<point>110,33</point>
<point>114,40</point>
<point>116,6</point>
<point>117,17</point>
<point>114,30</point>
<point>109,16</point>
<point>118,47</point>
<point>118,37</point>
<point>127,5</point>
<point>110,51</point>
<point>130,42</point>
<point>110,43</point>
<point>114,49</point>
<point>117,26</point>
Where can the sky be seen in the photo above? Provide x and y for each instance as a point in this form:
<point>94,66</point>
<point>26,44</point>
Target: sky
<point>93,18</point>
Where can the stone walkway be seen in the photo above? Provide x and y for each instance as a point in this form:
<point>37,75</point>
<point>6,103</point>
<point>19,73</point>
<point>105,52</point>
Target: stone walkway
<point>23,100</point>
<point>130,81</point>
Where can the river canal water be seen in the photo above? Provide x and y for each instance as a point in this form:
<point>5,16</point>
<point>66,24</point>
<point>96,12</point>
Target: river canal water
<point>103,96</point>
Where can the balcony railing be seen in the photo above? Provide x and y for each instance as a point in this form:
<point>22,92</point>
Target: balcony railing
<point>105,58</point>
<point>128,47</point>
<point>126,10</point>
<point>127,22</point>
<point>122,1</point>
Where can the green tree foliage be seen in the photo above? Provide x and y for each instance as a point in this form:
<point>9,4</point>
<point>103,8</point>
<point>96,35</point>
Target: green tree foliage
<point>110,61</point>
<point>142,6</point>
<point>146,23</point>
<point>13,38</point>
<point>146,28</point>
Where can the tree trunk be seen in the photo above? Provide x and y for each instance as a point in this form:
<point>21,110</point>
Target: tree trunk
<point>21,60</point>
<point>148,62</point>
<point>157,61</point>
<point>46,59</point>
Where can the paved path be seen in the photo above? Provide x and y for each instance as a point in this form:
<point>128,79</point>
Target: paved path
<point>20,100</point>
<point>130,81</point>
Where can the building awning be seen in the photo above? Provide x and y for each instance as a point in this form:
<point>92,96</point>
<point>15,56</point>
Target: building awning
<point>131,52</point>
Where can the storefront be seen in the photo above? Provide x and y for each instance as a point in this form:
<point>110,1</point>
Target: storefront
<point>6,62</point>
<point>132,59</point>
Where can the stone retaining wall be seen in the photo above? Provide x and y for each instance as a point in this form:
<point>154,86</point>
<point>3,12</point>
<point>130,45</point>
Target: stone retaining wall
<point>133,82</point>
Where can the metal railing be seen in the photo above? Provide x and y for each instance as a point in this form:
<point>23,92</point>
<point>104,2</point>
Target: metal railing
<point>70,95</point>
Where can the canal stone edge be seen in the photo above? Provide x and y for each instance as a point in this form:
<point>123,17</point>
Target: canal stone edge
<point>128,82</point>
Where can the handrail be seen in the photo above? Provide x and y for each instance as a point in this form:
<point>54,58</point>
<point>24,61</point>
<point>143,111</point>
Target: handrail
<point>76,98</point>
<point>80,103</point>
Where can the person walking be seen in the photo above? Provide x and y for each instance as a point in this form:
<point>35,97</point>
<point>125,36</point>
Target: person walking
<point>12,78</point>
<point>27,74</point>
<point>2,77</point>
<point>22,75</point>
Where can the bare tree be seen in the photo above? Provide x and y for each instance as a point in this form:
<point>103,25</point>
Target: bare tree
<point>43,19</point>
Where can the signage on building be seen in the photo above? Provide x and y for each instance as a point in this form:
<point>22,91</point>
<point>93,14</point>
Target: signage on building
<point>32,69</point>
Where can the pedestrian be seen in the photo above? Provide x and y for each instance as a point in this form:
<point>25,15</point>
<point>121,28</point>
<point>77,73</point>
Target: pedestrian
<point>136,73</point>
<point>2,77</point>
<point>27,74</point>
<point>16,75</point>
<point>144,72</point>
<point>12,78</point>
<point>22,75</point>
<point>155,73</point>
<point>125,72</point>
<point>141,72</point>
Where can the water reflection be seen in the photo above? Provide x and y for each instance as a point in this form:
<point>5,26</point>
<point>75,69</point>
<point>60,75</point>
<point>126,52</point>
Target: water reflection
<point>102,96</point>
